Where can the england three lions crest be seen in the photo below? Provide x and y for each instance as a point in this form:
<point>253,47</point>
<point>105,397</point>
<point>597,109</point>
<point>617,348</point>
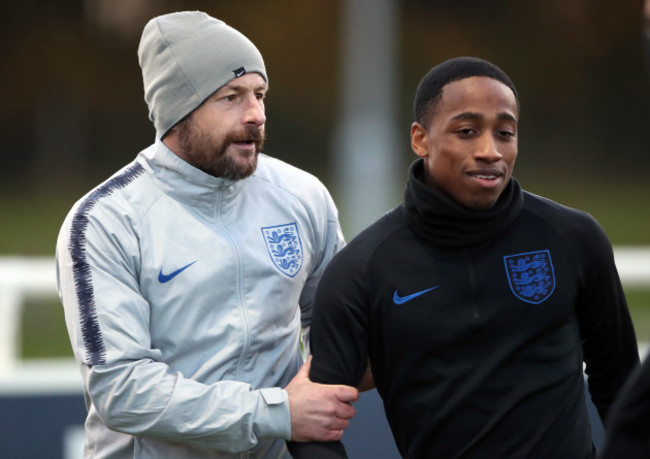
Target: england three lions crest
<point>531,275</point>
<point>285,247</point>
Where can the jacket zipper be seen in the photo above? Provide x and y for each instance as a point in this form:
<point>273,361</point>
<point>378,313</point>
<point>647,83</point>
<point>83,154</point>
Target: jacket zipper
<point>242,309</point>
<point>471,273</point>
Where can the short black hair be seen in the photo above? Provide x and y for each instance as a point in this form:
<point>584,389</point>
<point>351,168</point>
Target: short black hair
<point>430,87</point>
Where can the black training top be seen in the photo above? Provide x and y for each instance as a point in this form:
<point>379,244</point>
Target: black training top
<point>476,324</point>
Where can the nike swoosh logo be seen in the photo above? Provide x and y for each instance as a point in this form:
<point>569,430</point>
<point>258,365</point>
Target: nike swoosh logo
<point>240,73</point>
<point>403,299</point>
<point>162,278</point>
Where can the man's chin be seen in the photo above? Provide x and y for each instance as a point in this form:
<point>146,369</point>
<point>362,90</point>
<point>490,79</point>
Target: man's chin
<point>240,168</point>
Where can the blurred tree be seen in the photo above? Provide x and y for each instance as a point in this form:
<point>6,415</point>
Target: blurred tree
<point>72,108</point>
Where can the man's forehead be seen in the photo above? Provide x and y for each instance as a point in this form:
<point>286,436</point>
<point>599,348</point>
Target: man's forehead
<point>474,88</point>
<point>476,80</point>
<point>249,80</point>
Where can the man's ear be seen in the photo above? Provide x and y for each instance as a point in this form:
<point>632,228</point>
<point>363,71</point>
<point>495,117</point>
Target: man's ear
<point>419,140</point>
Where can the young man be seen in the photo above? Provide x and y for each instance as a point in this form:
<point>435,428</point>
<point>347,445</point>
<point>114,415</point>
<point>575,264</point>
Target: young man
<point>475,302</point>
<point>187,275</point>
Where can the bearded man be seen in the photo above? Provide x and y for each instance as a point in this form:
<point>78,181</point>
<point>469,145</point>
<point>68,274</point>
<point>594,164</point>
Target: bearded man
<point>187,277</point>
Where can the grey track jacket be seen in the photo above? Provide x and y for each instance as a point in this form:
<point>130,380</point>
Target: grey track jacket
<point>184,296</point>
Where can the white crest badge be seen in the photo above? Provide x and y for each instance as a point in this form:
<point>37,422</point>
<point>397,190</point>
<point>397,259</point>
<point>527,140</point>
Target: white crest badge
<point>285,247</point>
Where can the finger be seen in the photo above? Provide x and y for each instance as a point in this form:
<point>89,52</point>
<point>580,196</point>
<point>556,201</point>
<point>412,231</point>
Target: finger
<point>335,435</point>
<point>344,411</point>
<point>346,394</point>
<point>338,424</point>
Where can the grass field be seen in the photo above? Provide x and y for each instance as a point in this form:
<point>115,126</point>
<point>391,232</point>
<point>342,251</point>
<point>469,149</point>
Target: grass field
<point>36,218</point>
<point>44,334</point>
<point>639,304</point>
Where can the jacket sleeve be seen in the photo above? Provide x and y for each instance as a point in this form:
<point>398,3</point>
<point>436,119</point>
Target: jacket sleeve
<point>328,241</point>
<point>338,339</point>
<point>608,339</point>
<point>340,335</point>
<point>133,390</point>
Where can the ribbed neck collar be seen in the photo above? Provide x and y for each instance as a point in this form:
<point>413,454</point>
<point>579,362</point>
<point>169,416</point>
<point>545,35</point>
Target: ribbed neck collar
<point>447,224</point>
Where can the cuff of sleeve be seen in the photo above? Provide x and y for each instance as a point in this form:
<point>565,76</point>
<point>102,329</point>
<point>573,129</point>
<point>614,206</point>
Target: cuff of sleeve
<point>273,417</point>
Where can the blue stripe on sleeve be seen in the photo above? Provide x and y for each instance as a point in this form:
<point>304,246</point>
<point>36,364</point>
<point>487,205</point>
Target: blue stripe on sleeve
<point>95,350</point>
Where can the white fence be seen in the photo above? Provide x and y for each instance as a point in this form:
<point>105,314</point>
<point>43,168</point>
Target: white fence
<point>24,278</point>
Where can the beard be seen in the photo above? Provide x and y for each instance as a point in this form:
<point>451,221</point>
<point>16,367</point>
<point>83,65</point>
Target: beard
<point>209,154</point>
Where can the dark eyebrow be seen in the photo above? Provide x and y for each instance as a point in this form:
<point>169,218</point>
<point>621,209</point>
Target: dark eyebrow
<point>238,87</point>
<point>468,116</point>
<point>479,116</point>
<point>506,117</point>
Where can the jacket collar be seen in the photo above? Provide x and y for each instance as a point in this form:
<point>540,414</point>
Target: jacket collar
<point>181,179</point>
<point>445,223</point>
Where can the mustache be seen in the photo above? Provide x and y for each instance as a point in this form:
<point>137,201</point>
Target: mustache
<point>248,134</point>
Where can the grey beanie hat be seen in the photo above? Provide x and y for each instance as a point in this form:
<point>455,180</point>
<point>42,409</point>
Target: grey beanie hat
<point>185,57</point>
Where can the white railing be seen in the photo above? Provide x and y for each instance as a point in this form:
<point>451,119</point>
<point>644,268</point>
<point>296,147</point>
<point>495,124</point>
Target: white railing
<point>633,264</point>
<point>21,279</point>
<point>24,278</point>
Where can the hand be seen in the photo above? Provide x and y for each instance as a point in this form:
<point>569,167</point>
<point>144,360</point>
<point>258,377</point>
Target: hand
<point>319,412</point>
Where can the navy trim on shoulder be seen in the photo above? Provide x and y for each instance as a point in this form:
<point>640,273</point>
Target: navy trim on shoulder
<point>95,350</point>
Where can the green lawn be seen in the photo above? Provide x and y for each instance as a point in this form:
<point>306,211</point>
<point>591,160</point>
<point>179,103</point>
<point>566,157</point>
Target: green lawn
<point>639,304</point>
<point>31,222</point>
<point>44,333</point>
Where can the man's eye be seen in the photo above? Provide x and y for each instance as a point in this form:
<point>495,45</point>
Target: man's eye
<point>230,98</point>
<point>259,96</point>
<point>466,132</point>
<point>506,134</point>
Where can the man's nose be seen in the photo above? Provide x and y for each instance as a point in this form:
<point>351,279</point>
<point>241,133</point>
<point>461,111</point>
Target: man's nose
<point>487,148</point>
<point>254,112</point>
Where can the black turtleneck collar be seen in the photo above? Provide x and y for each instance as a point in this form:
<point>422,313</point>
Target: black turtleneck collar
<point>447,224</point>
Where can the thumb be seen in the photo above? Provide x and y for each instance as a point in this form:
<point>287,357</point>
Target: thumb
<point>304,369</point>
